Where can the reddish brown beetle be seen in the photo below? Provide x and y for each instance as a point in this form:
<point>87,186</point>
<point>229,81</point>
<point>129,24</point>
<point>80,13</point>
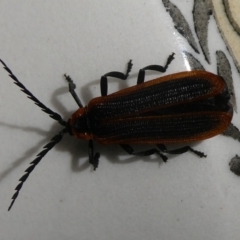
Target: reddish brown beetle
<point>177,108</point>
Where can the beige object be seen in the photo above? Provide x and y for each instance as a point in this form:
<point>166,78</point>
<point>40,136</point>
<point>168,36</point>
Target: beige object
<point>226,13</point>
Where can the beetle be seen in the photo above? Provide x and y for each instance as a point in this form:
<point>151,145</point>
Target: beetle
<point>177,108</point>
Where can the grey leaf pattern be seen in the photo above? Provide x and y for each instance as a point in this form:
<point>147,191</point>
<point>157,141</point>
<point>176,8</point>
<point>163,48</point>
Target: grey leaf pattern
<point>232,132</point>
<point>224,70</point>
<point>201,13</point>
<point>235,165</point>
<point>193,62</point>
<point>180,23</point>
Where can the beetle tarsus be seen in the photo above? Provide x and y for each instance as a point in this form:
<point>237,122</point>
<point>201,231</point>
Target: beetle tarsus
<point>95,161</point>
<point>169,60</point>
<point>93,158</point>
<point>129,68</point>
<point>200,154</point>
<point>72,87</point>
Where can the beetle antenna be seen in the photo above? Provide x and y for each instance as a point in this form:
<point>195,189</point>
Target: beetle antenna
<point>56,139</point>
<point>45,109</point>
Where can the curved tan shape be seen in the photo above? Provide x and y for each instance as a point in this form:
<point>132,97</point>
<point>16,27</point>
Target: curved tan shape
<point>227,16</point>
<point>232,10</point>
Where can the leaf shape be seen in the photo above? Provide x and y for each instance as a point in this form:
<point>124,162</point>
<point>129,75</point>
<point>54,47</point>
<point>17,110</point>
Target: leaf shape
<point>235,165</point>
<point>232,132</point>
<point>193,62</point>
<point>224,70</point>
<point>180,23</point>
<point>201,13</point>
<point>234,24</point>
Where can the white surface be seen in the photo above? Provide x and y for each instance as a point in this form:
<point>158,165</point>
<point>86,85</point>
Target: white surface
<point>187,198</point>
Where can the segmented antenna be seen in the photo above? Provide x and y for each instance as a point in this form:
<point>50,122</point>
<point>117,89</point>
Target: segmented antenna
<point>56,139</point>
<point>45,109</point>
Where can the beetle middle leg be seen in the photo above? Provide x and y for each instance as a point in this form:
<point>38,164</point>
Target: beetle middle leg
<point>149,152</point>
<point>120,75</point>
<point>158,68</point>
<point>181,150</point>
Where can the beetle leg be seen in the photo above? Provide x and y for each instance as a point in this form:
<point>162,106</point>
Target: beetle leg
<point>149,152</point>
<point>72,86</point>
<point>159,68</point>
<point>180,150</point>
<point>122,76</point>
<point>93,158</point>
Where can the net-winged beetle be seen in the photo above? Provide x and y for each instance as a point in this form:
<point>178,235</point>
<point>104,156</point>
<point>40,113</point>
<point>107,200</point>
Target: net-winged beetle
<point>178,108</point>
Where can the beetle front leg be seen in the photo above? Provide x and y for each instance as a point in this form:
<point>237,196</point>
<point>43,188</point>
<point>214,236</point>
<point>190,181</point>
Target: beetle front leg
<point>158,68</point>
<point>181,150</point>
<point>149,152</point>
<point>120,75</point>
<point>72,87</point>
<point>93,158</point>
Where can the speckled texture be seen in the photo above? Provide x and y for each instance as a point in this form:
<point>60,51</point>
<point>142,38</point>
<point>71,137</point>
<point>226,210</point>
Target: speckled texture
<point>201,14</point>
<point>194,64</point>
<point>180,23</point>
<point>235,165</point>
<point>224,70</point>
<point>233,132</point>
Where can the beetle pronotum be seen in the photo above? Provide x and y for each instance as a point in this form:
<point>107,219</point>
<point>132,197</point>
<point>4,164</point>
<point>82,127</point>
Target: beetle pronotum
<point>177,108</point>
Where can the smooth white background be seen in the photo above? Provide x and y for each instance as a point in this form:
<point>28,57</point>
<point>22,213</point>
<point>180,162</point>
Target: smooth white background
<point>127,197</point>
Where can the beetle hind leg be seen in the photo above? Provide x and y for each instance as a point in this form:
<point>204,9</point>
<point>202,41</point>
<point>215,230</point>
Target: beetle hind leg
<point>149,152</point>
<point>72,87</point>
<point>163,149</point>
<point>158,68</point>
<point>181,150</point>
<point>120,75</point>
